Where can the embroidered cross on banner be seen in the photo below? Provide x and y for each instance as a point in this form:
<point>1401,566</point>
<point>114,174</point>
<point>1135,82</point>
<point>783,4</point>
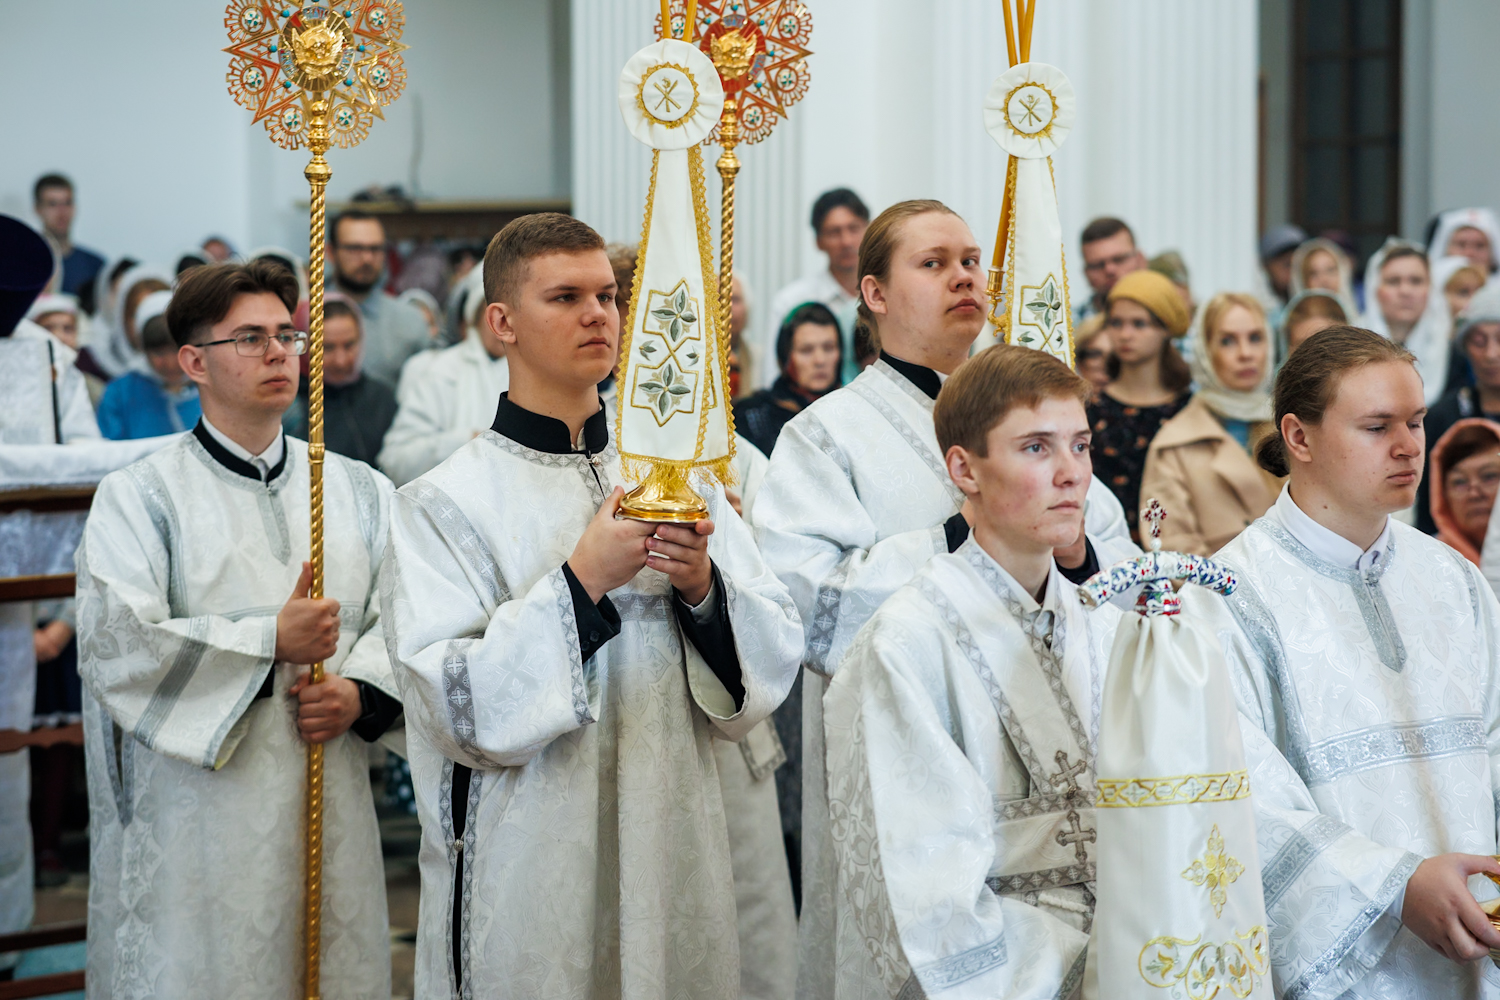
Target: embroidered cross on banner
<point>1156,514</point>
<point>1067,775</point>
<point>1077,836</point>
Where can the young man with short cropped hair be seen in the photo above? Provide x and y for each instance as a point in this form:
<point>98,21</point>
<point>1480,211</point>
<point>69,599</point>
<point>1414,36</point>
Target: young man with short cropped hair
<point>566,672</point>
<point>960,724</point>
<point>197,710</point>
<point>1109,253</point>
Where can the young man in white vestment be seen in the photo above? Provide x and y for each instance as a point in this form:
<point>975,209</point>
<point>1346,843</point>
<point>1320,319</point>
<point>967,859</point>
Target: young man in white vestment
<point>857,498</point>
<point>1367,662</point>
<point>195,628</point>
<point>962,721</point>
<point>566,672</point>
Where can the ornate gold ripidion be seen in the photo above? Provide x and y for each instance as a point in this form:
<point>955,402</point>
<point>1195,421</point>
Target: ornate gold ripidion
<point>316,75</point>
<point>287,55</point>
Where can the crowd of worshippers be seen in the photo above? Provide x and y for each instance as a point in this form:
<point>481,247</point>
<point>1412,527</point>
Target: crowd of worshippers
<point>1177,402</point>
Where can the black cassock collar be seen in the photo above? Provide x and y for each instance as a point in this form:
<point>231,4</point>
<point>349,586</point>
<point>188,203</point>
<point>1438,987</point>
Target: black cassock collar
<point>548,434</point>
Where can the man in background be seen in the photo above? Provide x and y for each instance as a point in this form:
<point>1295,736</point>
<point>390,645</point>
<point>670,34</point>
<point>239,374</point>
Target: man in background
<point>1109,253</point>
<point>839,218</point>
<point>52,198</point>
<point>394,330</point>
<point>357,409</point>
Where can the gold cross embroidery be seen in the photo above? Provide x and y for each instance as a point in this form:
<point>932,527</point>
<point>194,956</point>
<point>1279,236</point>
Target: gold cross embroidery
<point>1217,870</point>
<point>667,103</point>
<point>1029,102</point>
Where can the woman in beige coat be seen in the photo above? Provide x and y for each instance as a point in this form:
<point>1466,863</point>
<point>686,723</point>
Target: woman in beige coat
<point>1199,465</point>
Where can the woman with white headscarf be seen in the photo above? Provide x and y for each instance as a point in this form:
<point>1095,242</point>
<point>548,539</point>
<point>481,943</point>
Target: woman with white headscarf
<point>117,348</point>
<point>1401,306</point>
<point>1468,232</point>
<point>1320,263</point>
<point>1199,464</point>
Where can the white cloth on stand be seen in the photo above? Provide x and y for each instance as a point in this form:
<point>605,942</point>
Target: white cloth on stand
<point>596,859</point>
<point>961,729</point>
<point>196,786</point>
<point>853,505</point>
<point>444,399</point>
<point>1369,685</point>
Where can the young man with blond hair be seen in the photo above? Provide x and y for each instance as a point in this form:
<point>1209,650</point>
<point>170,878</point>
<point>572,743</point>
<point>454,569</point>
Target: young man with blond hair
<point>960,725</point>
<point>566,672</point>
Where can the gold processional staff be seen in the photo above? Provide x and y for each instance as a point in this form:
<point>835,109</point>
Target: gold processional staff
<point>317,75</point>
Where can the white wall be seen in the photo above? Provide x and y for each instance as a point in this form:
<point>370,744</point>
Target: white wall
<point>1452,143</point>
<point>130,101</point>
<point>1165,135</point>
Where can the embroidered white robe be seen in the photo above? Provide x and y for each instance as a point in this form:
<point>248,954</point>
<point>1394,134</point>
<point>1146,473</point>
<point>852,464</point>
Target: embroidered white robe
<point>854,504</point>
<point>961,733</point>
<point>196,785</point>
<point>1370,709</point>
<point>595,856</point>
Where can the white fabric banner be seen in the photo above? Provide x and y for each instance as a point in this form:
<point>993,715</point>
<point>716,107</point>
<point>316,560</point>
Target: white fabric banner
<point>1029,112</point>
<point>1180,910</point>
<point>673,408</point>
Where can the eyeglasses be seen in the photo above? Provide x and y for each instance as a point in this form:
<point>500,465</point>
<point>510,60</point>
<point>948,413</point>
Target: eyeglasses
<point>1119,260</point>
<point>370,249</point>
<point>255,345</point>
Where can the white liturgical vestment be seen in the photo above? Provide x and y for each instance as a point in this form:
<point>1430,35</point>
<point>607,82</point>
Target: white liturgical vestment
<point>593,859</point>
<point>1370,687</point>
<point>854,504</point>
<point>961,730</point>
<point>196,771</point>
<point>443,399</point>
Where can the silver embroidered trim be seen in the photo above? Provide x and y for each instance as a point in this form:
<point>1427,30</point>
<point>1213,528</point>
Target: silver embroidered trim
<point>1378,746</point>
<point>981,667</point>
<point>1374,608</point>
<point>577,461</point>
<point>825,615</point>
<point>904,384</point>
<point>1307,983</point>
<point>636,607</point>
<point>239,482</point>
<point>455,525</point>
<point>817,435</point>
<point>471,825</point>
<point>922,448</point>
<point>458,693</point>
<point>189,655</point>
<point>1293,857</point>
<point>1035,805</point>
<point>1047,878</point>
<point>564,597</point>
<point>912,990</point>
<point>268,654</point>
<point>445,820</point>
<point>273,517</point>
<point>1036,626</point>
<point>1074,979</point>
<point>163,513</point>
<point>366,502</point>
<point>1255,620</point>
<point>948,972</point>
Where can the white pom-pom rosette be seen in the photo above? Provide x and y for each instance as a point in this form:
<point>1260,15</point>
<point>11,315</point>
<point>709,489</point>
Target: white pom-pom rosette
<point>670,95</point>
<point>1029,110</point>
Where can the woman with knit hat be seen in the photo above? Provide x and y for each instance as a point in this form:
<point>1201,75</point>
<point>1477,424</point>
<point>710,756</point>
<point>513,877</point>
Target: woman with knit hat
<point>1200,465</point>
<point>1148,383</point>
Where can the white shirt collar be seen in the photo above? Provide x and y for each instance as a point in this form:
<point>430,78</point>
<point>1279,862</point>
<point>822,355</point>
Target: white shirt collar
<point>830,292</point>
<point>1325,543</point>
<point>264,462</point>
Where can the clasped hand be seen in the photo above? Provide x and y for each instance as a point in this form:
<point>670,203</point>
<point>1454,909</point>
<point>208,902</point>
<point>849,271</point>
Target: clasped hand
<point>613,550</point>
<point>1441,911</point>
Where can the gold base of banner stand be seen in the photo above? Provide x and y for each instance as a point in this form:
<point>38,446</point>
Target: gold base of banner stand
<point>665,496</point>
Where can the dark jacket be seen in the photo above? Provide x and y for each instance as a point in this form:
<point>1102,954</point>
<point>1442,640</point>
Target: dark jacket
<point>760,416</point>
<point>355,417</point>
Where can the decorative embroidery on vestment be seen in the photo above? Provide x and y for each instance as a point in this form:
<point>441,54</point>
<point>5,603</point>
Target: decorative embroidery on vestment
<point>117,761</point>
<point>1377,746</point>
<point>471,824</point>
<point>919,445</point>
<point>1217,870</point>
<point>1126,793</point>
<point>903,383</point>
<point>184,665</point>
<point>1255,620</point>
<point>1293,857</point>
<point>459,696</point>
<point>366,503</point>
<point>564,597</point>
<point>817,435</point>
<point>949,972</point>
<point>163,514</point>
<point>912,990</point>
<point>577,461</point>
<point>825,616</point>
<point>640,607</point>
<point>1331,959</point>
<point>252,686</point>
<point>267,495</point>
<point>1209,967</point>
<point>1046,878</point>
<point>453,524</point>
<point>1074,979</point>
<point>1374,608</point>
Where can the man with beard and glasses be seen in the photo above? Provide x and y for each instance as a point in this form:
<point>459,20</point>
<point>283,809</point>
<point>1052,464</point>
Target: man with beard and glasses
<point>394,330</point>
